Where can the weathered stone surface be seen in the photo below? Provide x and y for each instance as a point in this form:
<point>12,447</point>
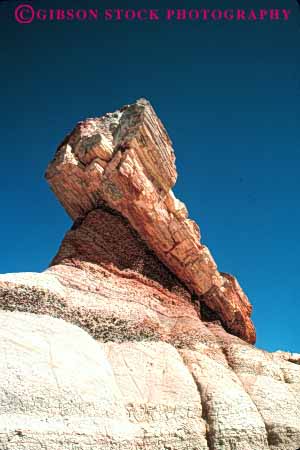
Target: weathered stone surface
<point>61,389</point>
<point>274,387</point>
<point>126,160</point>
<point>109,283</point>
<point>158,389</point>
<point>232,417</point>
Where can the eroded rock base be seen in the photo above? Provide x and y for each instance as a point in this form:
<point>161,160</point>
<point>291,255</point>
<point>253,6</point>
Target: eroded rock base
<point>61,388</point>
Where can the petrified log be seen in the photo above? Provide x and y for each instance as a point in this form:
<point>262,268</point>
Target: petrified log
<point>126,160</point>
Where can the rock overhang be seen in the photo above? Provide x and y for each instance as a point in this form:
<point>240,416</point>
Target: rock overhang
<point>126,160</point>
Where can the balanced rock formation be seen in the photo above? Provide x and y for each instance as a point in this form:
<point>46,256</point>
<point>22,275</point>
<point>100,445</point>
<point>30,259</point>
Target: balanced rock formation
<point>132,339</point>
<point>126,160</point>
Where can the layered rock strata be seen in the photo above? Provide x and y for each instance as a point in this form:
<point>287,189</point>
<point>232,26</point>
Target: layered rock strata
<point>126,160</point>
<point>62,389</point>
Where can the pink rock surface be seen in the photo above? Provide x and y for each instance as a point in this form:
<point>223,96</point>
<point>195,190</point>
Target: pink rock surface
<point>125,159</point>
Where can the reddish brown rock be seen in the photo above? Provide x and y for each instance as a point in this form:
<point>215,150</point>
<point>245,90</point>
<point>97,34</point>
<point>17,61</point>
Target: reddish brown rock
<point>107,268</point>
<point>126,160</point>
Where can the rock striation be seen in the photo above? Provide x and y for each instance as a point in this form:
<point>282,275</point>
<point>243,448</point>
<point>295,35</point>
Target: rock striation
<point>126,160</point>
<point>125,343</point>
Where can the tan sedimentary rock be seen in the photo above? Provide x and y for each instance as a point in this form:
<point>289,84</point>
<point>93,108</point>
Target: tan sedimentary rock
<point>216,393</point>
<point>60,390</point>
<point>126,160</point>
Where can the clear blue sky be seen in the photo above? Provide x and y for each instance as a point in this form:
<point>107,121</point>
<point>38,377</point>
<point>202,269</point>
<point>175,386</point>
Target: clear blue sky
<point>228,95</point>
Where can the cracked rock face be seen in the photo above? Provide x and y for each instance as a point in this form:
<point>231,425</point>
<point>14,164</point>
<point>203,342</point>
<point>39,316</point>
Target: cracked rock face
<point>119,345</point>
<point>126,160</point>
<point>61,388</point>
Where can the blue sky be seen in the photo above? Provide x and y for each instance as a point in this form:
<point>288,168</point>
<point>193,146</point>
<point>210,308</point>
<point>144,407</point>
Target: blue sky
<point>228,95</point>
